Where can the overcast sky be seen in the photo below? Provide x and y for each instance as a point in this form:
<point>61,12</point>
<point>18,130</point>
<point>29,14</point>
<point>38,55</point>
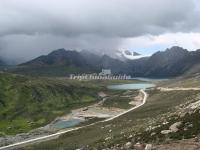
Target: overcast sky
<point>29,28</point>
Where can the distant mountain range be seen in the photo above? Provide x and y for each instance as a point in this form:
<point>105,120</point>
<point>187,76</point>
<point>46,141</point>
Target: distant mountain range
<point>169,63</point>
<point>73,62</point>
<point>172,62</point>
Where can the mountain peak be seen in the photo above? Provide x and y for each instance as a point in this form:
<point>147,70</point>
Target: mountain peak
<point>177,49</point>
<point>58,51</point>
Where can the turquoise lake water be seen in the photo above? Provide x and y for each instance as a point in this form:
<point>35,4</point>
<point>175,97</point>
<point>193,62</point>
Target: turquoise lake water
<point>135,86</point>
<point>61,124</point>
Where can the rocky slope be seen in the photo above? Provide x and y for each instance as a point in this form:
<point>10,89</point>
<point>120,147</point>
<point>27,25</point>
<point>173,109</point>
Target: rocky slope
<point>172,62</point>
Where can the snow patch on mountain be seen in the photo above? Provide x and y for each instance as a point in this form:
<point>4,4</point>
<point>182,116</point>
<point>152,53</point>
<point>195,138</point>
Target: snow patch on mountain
<point>127,54</point>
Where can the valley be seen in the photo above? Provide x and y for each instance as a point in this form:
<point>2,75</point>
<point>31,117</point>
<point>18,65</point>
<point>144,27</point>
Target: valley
<point>43,108</point>
<point>92,107</point>
<point>75,111</point>
<point>99,75</point>
<point>142,123</point>
<point>145,125</point>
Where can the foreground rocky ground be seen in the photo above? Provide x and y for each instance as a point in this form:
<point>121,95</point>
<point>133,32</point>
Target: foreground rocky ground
<point>177,130</point>
<point>167,117</point>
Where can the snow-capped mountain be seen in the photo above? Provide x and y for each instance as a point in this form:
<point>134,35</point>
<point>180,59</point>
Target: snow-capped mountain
<point>127,54</point>
<point>122,55</point>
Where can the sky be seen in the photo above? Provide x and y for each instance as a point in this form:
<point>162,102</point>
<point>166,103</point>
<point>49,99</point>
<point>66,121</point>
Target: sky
<point>29,28</point>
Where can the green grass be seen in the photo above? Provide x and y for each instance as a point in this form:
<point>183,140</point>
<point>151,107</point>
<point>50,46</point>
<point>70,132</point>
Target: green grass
<point>118,101</point>
<point>132,123</point>
<point>45,71</point>
<point>189,82</point>
<point>27,102</point>
<point>30,102</point>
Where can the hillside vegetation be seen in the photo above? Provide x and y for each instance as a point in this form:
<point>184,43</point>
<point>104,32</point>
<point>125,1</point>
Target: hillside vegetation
<point>142,125</point>
<point>148,124</point>
<point>27,103</point>
<point>185,82</point>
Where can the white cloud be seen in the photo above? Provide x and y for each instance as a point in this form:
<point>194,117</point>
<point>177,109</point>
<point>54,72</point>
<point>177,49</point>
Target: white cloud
<point>149,43</point>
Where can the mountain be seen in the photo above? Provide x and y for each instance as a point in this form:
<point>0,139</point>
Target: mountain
<point>174,61</point>
<point>115,65</point>
<point>125,55</point>
<point>63,62</point>
<point>59,62</point>
<point>169,63</point>
<point>131,55</point>
<point>58,57</point>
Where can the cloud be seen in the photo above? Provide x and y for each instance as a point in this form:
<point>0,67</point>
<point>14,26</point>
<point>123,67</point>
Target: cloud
<point>25,47</point>
<point>149,44</point>
<point>121,18</point>
<point>32,28</point>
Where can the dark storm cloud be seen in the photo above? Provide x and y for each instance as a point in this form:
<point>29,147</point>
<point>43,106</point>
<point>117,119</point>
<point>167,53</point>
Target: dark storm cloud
<point>111,18</point>
<point>25,47</point>
<point>29,28</point>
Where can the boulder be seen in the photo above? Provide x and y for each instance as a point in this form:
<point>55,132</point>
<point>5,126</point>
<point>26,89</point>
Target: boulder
<point>149,147</point>
<point>128,145</point>
<point>165,131</point>
<point>138,146</point>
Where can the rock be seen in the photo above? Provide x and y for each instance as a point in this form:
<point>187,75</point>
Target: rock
<point>196,139</point>
<point>138,146</point>
<point>128,145</point>
<point>182,114</point>
<point>174,127</point>
<point>185,129</point>
<point>166,122</point>
<point>108,138</point>
<point>130,136</point>
<point>110,130</point>
<point>190,125</point>
<point>121,132</point>
<point>153,133</point>
<point>117,145</point>
<point>165,131</point>
<point>149,147</point>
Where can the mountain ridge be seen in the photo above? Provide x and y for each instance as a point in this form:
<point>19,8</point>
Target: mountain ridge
<point>172,62</point>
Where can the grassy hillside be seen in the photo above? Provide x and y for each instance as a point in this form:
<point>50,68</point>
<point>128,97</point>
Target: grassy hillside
<point>50,71</point>
<point>130,127</point>
<point>27,103</point>
<point>186,82</point>
<point>30,102</point>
